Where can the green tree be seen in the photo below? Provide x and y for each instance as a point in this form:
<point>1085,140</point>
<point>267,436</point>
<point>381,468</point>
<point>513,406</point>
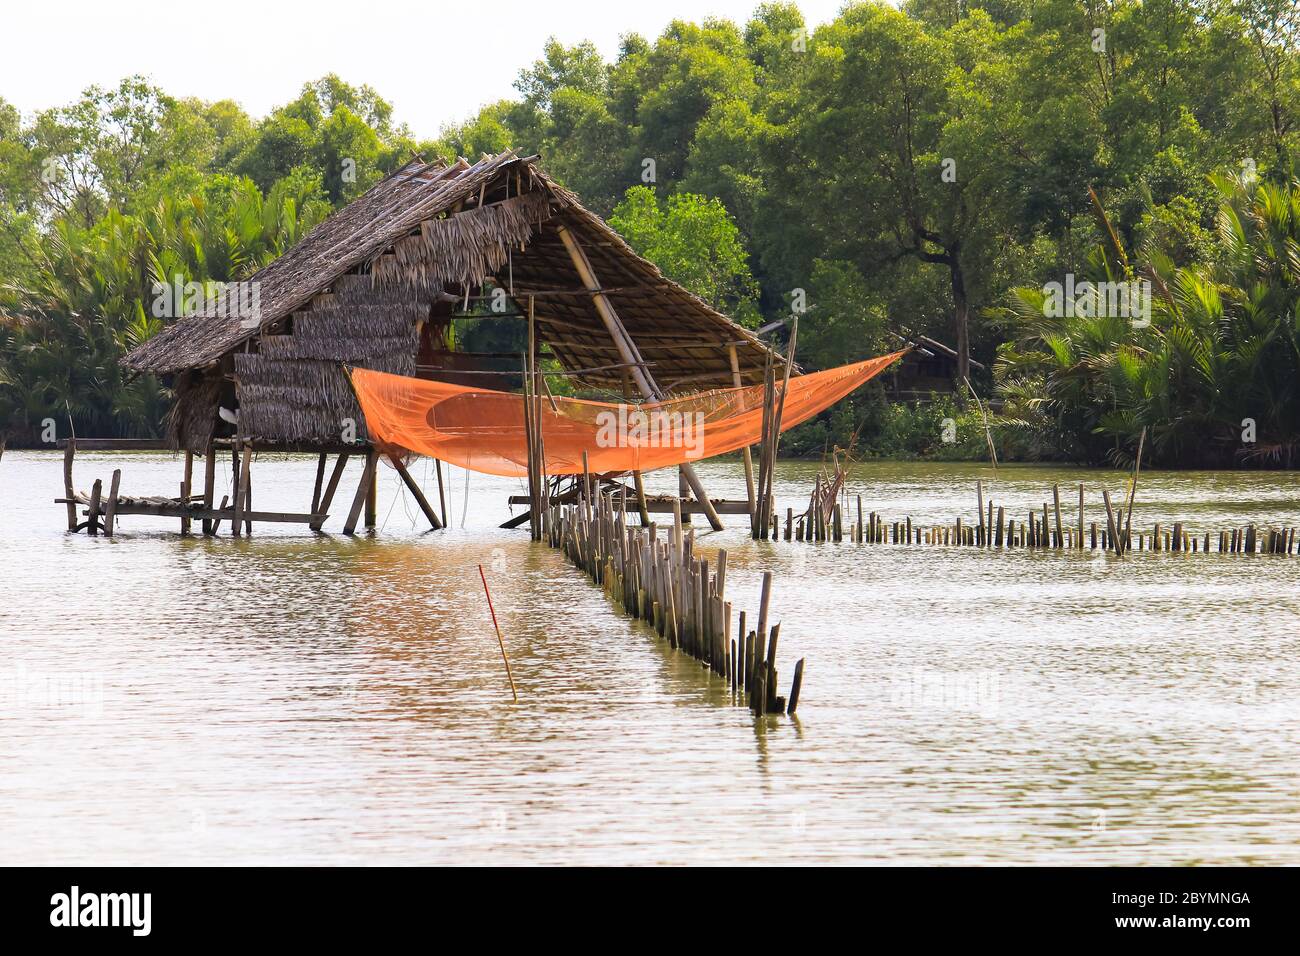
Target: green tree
<point>694,242</point>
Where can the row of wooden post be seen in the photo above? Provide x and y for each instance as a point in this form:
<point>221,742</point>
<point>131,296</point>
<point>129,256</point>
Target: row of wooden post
<point>660,579</point>
<point>1046,529</point>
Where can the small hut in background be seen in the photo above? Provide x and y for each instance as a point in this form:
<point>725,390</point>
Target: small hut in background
<point>378,285</point>
<point>929,369</point>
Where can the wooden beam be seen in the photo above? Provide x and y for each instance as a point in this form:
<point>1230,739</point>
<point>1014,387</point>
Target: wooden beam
<point>516,521</point>
<point>628,352</point>
<point>323,507</point>
<point>416,493</point>
<point>363,492</point>
<point>217,515</point>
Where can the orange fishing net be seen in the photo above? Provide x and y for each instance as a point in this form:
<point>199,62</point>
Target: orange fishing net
<point>483,430</point>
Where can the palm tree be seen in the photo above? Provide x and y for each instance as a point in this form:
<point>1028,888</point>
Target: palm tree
<point>1222,350</point>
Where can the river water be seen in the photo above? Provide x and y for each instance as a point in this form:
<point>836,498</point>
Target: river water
<point>302,699</point>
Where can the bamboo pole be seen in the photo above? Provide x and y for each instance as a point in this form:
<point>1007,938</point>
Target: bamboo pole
<point>746,456</point>
<point>1137,467</point>
<point>1110,520</point>
<point>780,413</point>
<point>1080,515</point>
<point>1056,501</point>
<point>756,520</point>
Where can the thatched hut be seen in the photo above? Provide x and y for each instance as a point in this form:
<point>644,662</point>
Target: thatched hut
<point>378,284</point>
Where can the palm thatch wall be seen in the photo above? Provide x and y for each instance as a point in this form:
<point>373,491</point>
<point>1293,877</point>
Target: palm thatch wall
<point>295,390</point>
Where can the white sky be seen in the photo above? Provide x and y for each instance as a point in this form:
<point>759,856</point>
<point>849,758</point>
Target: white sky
<point>435,62</point>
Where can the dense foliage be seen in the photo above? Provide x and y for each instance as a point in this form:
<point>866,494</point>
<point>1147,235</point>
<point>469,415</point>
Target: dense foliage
<point>928,169</point>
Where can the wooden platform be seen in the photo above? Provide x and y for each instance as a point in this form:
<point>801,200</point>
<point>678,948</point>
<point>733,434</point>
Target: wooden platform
<point>175,508</point>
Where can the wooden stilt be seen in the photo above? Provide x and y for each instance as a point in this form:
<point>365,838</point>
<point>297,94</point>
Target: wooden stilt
<point>248,498</point>
<point>372,490</point>
<point>241,490</point>
<point>416,493</point>
<point>320,481</point>
<point>442,497</point>
<point>110,508</point>
<point>209,483</point>
<point>92,524</point>
<point>363,492</point>
<point>69,453</point>
<point>683,493</point>
<point>323,506</point>
<point>185,488</point>
<point>641,504</point>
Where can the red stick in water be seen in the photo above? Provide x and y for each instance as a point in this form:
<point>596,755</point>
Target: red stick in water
<point>500,639</point>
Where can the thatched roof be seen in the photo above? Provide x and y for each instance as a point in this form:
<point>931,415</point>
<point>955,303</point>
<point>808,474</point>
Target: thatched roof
<point>428,227</point>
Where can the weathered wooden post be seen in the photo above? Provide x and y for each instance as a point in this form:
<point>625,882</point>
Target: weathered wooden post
<point>209,484</point>
<point>92,524</point>
<point>70,452</point>
<point>110,509</point>
<point>185,490</point>
<point>241,491</point>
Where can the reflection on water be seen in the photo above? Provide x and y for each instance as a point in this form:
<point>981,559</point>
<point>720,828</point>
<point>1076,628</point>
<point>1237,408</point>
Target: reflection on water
<point>300,699</point>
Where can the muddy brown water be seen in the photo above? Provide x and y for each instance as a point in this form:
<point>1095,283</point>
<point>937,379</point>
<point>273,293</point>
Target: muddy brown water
<point>293,699</point>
